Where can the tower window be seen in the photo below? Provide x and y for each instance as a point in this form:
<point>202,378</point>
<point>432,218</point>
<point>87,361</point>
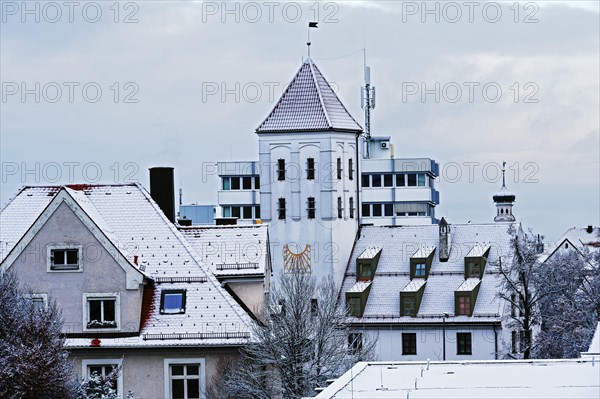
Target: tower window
<point>281,209</point>
<point>350,169</point>
<point>257,183</point>
<point>339,168</point>
<point>310,168</point>
<point>351,207</point>
<point>340,208</point>
<point>247,183</point>
<point>311,207</point>
<point>281,169</point>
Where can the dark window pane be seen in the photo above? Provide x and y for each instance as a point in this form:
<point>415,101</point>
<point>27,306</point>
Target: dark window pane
<point>257,212</point>
<point>95,370</point>
<point>109,310</point>
<point>388,180</point>
<point>399,180</point>
<point>409,343</point>
<point>366,210</point>
<point>58,257</point>
<point>193,389</point>
<point>412,180</point>
<point>256,182</point>
<point>177,370</point>
<point>247,212</point>
<point>376,180</point>
<point>247,183</point>
<point>177,389</point>
<point>235,183</point>
<point>339,168</point>
<point>310,168</point>
<point>95,310</point>
<point>350,169</point>
<point>281,169</point>
<point>282,208</point>
<point>192,370</point>
<point>72,256</point>
<point>235,211</point>
<point>365,181</point>
<point>389,209</point>
<point>376,209</point>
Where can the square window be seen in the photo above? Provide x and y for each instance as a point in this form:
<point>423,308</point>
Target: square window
<point>235,211</point>
<point>474,269</point>
<point>388,209</point>
<point>409,343</point>
<point>235,183</point>
<point>172,302</point>
<point>247,183</point>
<point>463,343</point>
<point>64,259</point>
<point>420,270</point>
<point>366,210</point>
<point>412,179</point>
<point>400,180</point>
<point>376,180</point>
<point>388,180</point>
<point>377,210</point>
<point>103,370</point>
<point>365,181</point>
<point>353,304</point>
<point>247,212</point>
<point>101,312</point>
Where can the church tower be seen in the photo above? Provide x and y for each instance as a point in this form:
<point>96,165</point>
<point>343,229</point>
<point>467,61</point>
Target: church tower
<point>308,159</point>
<point>504,201</point>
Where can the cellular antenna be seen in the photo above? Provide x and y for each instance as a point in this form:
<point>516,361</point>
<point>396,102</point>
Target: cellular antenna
<point>367,102</point>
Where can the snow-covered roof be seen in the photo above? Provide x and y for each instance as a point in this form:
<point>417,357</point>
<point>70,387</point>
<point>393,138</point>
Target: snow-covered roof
<point>360,286</point>
<point>415,285</point>
<point>236,250</point>
<point>308,104</point>
<point>478,249</point>
<point>538,379</point>
<point>577,237</point>
<point>136,226</point>
<point>468,285</point>
<point>369,253</point>
<point>399,243</point>
<point>423,252</point>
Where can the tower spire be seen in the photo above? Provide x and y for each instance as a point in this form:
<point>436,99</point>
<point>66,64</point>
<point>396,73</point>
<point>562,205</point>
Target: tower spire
<point>367,103</point>
<point>311,24</point>
<point>504,201</point>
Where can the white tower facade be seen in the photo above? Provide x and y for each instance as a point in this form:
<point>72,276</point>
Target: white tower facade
<point>309,178</point>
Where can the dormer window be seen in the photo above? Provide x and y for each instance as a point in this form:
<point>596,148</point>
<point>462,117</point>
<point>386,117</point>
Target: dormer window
<point>464,305</point>
<point>475,261</point>
<point>411,296</point>
<point>420,262</point>
<point>465,297</point>
<point>172,302</point>
<point>408,306</point>
<point>356,298</point>
<point>65,257</point>
<point>366,263</point>
<point>420,270</point>
<point>473,268</point>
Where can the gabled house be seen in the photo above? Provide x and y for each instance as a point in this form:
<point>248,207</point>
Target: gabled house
<point>430,291</point>
<point>575,240</point>
<point>132,289</point>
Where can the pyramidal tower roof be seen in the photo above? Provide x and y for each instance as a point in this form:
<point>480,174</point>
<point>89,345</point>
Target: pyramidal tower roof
<point>309,104</point>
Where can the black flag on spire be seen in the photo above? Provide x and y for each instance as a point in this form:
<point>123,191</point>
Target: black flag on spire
<point>313,25</point>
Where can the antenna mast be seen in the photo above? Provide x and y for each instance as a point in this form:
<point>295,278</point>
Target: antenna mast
<point>367,100</point>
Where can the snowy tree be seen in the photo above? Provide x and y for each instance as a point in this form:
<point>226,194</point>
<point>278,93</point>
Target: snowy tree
<point>570,313</point>
<point>301,340</point>
<point>522,288</point>
<point>34,361</point>
<point>101,386</point>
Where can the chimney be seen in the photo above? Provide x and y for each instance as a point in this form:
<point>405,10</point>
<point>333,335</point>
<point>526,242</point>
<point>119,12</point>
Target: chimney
<point>162,190</point>
<point>445,240</point>
<point>590,229</point>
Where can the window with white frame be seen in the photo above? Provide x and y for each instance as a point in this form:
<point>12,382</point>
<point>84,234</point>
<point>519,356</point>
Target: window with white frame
<point>184,378</point>
<point>103,367</point>
<point>102,311</point>
<point>64,257</point>
<point>39,301</point>
<point>172,302</point>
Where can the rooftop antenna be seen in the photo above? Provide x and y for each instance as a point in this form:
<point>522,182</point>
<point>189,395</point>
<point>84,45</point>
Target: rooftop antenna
<point>311,24</point>
<point>503,172</point>
<point>180,195</point>
<point>367,102</point>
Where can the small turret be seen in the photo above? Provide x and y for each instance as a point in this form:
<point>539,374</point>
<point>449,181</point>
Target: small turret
<point>504,201</point>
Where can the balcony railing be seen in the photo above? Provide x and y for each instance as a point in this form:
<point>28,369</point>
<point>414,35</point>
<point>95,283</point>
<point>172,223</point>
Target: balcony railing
<point>211,335</point>
<point>237,266</point>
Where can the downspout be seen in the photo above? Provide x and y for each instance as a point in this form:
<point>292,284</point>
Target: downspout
<point>358,183</point>
<point>495,342</point>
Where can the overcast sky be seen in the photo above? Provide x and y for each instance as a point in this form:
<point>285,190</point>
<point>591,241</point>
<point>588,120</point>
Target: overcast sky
<point>162,75</point>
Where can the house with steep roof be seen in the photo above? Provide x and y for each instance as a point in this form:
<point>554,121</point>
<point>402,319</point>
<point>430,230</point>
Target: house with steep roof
<point>132,288</point>
<point>575,240</point>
